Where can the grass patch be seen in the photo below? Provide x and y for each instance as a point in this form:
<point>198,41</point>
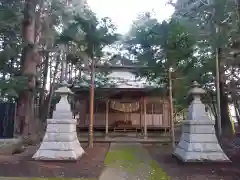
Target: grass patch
<point>157,172</point>
<point>125,158</point>
<point>122,154</point>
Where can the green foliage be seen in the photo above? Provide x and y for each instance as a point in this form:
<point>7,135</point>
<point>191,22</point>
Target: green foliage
<point>161,46</point>
<point>216,26</point>
<point>101,81</point>
<point>10,30</point>
<point>87,36</point>
<point>55,99</point>
<point>11,87</point>
<point>10,16</point>
<point>90,34</point>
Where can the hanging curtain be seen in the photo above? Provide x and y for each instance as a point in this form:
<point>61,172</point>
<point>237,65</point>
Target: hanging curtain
<point>124,107</point>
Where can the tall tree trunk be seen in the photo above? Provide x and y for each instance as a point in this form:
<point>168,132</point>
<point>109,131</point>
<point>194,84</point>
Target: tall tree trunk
<point>225,119</point>
<point>38,33</point>
<point>235,104</point>
<point>45,73</point>
<point>226,126</point>
<point>38,23</point>
<point>63,66</point>
<point>70,74</point>
<point>50,70</point>
<point>212,104</point>
<point>29,63</point>
<point>75,73</point>
<point>47,102</point>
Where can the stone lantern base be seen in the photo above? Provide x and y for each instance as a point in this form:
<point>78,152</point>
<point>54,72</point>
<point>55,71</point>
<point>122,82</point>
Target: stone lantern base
<point>199,143</point>
<point>60,141</point>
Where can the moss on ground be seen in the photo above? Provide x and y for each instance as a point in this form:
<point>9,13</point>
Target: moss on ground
<point>157,172</point>
<point>125,158</point>
<point>122,154</point>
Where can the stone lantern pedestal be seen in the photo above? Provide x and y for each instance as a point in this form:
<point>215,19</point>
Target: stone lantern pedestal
<point>60,141</point>
<point>198,141</point>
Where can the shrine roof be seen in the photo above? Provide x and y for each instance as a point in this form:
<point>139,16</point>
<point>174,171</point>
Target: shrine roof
<point>121,76</point>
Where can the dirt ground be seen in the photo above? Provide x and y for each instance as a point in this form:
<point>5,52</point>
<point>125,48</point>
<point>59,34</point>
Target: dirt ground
<point>195,171</point>
<point>90,164</point>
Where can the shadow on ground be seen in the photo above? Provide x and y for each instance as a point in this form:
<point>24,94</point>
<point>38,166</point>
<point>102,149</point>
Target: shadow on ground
<point>90,164</point>
<point>197,171</point>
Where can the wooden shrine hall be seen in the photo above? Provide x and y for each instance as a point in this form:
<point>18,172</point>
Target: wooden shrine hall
<point>136,107</point>
<point>124,109</point>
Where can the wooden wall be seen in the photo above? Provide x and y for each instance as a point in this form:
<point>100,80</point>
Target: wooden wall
<point>157,114</point>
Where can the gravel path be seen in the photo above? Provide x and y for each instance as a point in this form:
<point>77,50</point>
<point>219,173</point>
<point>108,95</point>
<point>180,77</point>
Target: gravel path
<point>130,161</point>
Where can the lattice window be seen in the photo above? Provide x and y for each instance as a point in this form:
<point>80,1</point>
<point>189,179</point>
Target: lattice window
<point>154,108</point>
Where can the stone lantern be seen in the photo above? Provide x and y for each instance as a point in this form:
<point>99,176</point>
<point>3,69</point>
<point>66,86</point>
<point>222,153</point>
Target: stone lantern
<point>60,141</point>
<point>198,141</point>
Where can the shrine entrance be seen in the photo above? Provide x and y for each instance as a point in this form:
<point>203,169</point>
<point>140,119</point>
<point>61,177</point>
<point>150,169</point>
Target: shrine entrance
<point>127,108</point>
<point>136,112</point>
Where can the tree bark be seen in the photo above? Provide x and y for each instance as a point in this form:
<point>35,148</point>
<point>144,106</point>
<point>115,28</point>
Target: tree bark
<point>235,104</point>
<point>29,63</point>
<point>225,119</point>
<point>45,73</point>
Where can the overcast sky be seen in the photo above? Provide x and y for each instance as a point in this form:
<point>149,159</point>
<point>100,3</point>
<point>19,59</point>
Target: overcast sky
<point>123,12</point>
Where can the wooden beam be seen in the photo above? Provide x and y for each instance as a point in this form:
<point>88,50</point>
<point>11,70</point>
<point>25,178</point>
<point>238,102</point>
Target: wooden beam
<point>131,68</point>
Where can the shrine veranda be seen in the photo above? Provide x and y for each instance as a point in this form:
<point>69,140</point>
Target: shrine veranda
<point>138,108</point>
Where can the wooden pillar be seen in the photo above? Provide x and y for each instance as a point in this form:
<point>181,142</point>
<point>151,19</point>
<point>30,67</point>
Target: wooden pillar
<point>107,115</point>
<point>145,116</point>
<point>140,120</point>
<point>85,114</point>
<point>152,114</point>
<point>91,105</point>
<point>171,109</point>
